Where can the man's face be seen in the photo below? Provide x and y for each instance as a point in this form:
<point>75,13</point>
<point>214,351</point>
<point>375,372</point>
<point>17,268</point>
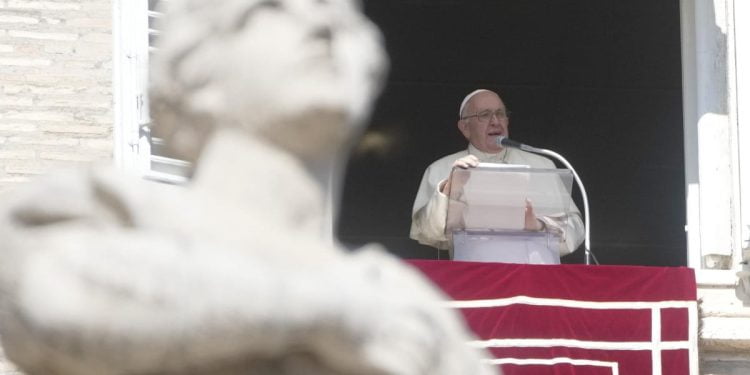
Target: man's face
<point>483,132</point>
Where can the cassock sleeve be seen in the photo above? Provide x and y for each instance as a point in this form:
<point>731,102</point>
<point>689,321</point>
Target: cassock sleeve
<point>429,212</point>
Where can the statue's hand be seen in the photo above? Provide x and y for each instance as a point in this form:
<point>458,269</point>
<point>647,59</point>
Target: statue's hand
<point>94,198</point>
<point>55,199</point>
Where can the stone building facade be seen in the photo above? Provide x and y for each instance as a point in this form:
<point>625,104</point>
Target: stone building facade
<point>56,105</point>
<point>56,102</point>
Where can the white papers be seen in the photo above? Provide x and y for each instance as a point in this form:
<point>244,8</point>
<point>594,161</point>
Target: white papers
<point>493,196</point>
<point>496,200</point>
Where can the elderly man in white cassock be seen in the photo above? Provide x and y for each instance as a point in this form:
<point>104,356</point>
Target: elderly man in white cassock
<point>483,117</point>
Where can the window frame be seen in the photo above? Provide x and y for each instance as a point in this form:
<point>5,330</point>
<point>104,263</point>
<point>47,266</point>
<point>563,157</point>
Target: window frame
<point>135,150</point>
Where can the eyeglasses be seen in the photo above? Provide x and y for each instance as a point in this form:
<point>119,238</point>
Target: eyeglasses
<point>485,116</point>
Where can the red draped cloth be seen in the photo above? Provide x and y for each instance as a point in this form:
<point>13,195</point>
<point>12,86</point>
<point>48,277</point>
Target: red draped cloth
<point>576,319</point>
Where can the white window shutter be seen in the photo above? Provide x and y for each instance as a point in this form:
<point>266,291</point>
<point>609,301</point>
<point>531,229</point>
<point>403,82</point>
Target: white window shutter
<point>135,148</point>
<point>161,168</point>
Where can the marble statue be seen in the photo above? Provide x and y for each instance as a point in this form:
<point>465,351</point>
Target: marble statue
<point>104,273</point>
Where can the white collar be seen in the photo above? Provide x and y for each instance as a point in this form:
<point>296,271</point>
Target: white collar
<point>499,157</point>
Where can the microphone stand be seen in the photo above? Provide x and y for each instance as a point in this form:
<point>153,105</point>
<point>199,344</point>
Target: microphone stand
<point>587,239</point>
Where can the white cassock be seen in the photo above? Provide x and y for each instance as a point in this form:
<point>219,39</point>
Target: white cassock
<point>431,206</point>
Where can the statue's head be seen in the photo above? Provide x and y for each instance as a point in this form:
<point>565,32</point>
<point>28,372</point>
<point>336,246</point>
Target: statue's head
<point>301,74</point>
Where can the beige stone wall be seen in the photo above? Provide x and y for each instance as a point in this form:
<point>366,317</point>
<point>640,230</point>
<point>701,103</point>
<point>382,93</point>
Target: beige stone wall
<point>55,85</point>
<point>724,329</point>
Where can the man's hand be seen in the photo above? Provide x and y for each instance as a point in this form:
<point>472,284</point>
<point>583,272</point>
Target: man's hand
<point>466,162</point>
<point>530,221</point>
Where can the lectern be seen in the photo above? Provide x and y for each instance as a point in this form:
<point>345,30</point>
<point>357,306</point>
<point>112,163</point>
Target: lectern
<point>486,212</point>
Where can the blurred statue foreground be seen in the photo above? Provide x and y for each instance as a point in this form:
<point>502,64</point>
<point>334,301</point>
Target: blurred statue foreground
<point>106,274</point>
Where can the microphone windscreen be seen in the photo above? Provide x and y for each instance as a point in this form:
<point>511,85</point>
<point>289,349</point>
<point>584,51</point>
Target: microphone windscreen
<point>507,142</point>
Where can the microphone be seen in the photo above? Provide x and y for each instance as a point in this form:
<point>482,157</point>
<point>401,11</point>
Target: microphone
<point>504,141</point>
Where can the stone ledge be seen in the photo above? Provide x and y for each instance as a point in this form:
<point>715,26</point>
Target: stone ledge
<point>716,278</point>
<point>725,335</point>
<point>725,367</point>
<point>721,302</point>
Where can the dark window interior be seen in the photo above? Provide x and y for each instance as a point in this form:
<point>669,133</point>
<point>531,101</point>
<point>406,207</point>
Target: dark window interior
<point>597,81</point>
